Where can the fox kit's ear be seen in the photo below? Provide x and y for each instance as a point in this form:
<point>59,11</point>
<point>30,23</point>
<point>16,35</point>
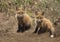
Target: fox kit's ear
<point>42,13</point>
<point>36,12</point>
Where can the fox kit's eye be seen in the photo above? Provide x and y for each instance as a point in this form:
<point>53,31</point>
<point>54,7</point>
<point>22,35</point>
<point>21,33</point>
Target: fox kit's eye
<point>22,13</point>
<point>18,13</point>
<point>37,17</point>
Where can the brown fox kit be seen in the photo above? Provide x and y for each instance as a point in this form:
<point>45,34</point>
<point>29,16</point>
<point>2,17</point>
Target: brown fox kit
<point>43,24</point>
<point>24,20</point>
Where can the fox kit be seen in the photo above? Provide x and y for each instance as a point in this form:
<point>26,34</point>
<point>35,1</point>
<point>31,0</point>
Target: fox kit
<point>24,20</point>
<point>43,24</point>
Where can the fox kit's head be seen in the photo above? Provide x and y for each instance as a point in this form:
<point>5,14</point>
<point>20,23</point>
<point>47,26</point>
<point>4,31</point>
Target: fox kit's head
<point>39,16</point>
<point>20,13</point>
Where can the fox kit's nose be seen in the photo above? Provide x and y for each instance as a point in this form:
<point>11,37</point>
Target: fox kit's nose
<point>38,21</point>
<point>21,16</point>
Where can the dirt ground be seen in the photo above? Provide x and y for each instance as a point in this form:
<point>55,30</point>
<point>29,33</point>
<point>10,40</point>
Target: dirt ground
<point>7,35</point>
<point>27,36</point>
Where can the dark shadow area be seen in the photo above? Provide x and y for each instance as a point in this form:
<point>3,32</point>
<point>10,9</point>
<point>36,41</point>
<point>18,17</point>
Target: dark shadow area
<point>20,28</point>
<point>23,27</point>
<point>42,30</point>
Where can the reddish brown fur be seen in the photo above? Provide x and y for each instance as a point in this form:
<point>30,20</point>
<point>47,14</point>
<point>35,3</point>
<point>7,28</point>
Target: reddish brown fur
<point>43,22</point>
<point>27,20</point>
